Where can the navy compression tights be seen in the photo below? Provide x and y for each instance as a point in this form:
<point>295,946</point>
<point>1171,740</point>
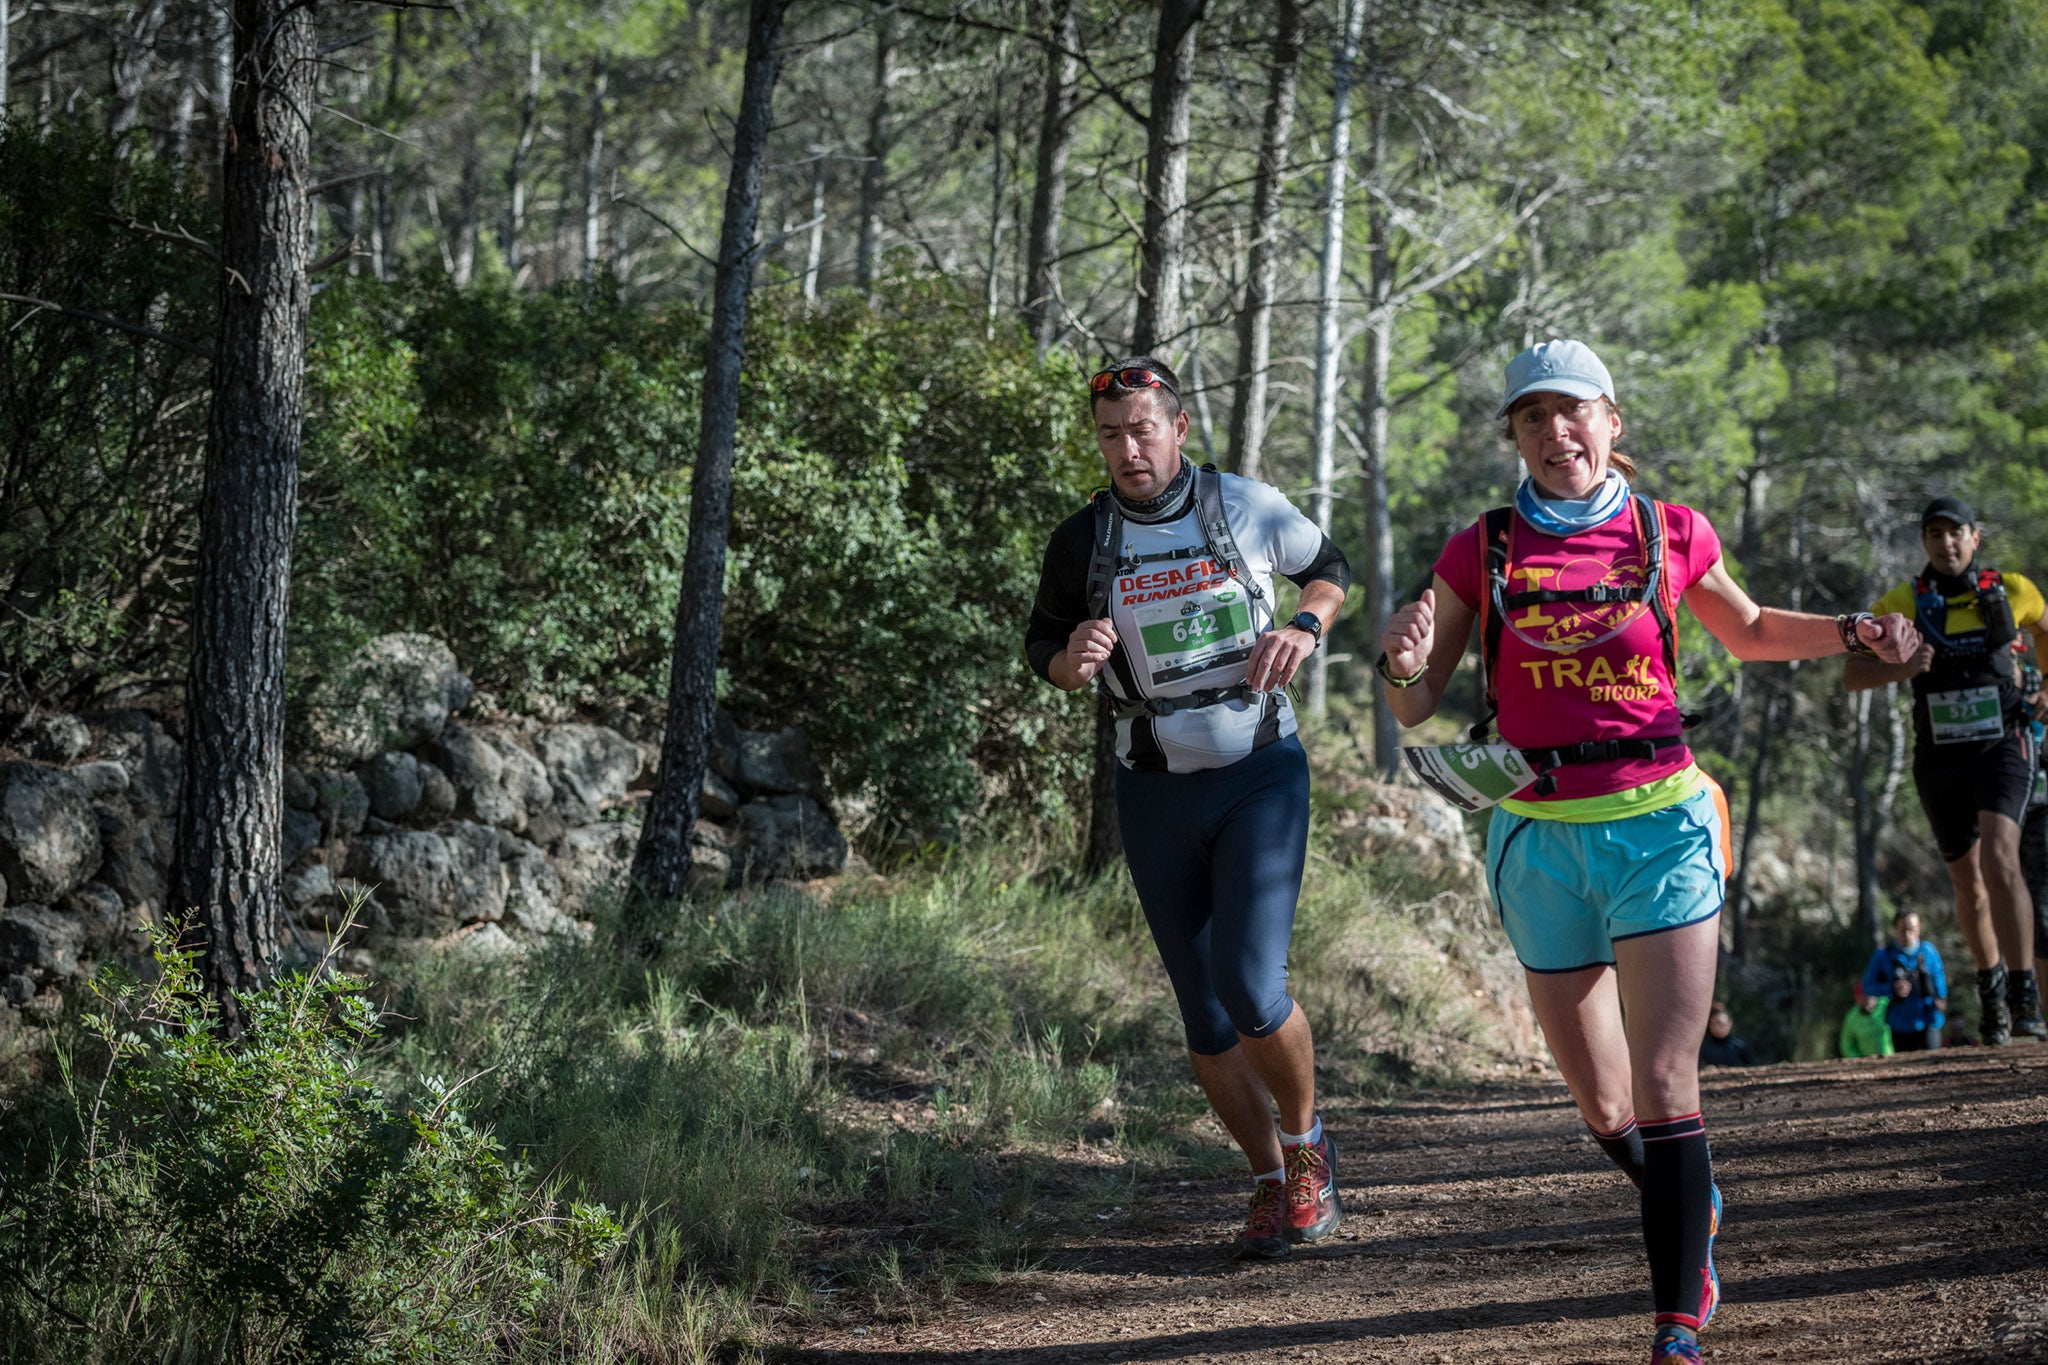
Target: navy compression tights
<point>1216,856</point>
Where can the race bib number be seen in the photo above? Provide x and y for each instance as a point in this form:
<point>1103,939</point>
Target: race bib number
<point>1471,776</point>
<point>1962,717</point>
<point>1184,636</point>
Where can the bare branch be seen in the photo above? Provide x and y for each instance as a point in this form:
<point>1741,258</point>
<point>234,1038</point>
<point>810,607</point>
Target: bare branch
<point>134,329</point>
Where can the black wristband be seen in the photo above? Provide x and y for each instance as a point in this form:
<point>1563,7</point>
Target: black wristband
<point>1845,626</point>
<point>1392,681</point>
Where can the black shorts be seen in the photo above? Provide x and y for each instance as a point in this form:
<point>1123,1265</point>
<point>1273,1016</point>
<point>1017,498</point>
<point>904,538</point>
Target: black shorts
<point>1996,778</point>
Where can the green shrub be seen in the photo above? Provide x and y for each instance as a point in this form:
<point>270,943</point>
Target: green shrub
<point>256,1199</point>
<point>511,472</point>
<point>102,431</point>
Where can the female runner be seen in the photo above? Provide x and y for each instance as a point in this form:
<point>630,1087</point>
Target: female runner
<point>1608,871</point>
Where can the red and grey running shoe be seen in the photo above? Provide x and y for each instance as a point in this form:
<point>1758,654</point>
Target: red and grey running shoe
<point>1313,1209</point>
<point>1265,1230</point>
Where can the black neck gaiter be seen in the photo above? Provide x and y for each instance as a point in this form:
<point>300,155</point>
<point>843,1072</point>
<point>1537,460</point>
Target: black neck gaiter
<point>1165,507</point>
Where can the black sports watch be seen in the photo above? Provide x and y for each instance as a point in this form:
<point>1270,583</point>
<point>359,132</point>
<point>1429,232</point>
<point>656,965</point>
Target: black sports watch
<point>1310,622</point>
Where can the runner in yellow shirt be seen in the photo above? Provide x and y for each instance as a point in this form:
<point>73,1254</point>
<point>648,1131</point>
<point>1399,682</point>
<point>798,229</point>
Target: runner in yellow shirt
<point>1973,749</point>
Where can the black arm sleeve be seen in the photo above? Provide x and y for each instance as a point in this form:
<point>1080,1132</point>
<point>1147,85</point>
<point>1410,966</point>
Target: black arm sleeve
<point>1329,566</point>
<point>1062,601</point>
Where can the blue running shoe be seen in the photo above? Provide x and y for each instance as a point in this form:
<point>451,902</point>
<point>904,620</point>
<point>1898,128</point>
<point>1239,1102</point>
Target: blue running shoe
<point>1713,1278</point>
<point>1675,1348</point>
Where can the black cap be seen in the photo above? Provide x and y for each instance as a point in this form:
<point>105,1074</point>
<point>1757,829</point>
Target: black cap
<point>1952,509</point>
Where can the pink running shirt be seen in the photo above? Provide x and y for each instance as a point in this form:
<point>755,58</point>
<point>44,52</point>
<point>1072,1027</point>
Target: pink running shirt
<point>1611,683</point>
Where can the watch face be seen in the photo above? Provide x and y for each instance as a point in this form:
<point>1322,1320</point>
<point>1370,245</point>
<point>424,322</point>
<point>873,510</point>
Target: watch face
<point>1307,620</point>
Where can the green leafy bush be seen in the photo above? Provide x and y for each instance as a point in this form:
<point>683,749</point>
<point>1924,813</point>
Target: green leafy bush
<point>511,472</point>
<point>102,431</point>
<point>257,1199</point>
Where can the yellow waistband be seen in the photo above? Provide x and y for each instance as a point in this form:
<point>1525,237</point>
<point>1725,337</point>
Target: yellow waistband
<point>1586,810</point>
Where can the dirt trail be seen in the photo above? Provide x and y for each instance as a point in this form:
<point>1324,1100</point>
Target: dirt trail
<point>1881,1210</point>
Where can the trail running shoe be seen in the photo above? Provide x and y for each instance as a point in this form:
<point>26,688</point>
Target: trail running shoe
<point>1994,1017</point>
<point>1713,1276</point>
<point>1313,1209</point>
<point>2023,1000</point>
<point>1675,1348</point>
<point>1265,1229</point>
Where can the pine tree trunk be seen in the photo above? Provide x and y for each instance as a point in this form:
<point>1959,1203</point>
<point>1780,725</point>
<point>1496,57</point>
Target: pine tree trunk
<point>1166,176</point>
<point>814,256</point>
<point>661,863</point>
<point>1262,266</point>
<point>874,176</point>
<point>593,170</point>
<point>1328,290</point>
<point>1049,188</point>
<point>515,174</point>
<point>134,53</point>
<point>1377,405</point>
<point>226,874</point>
<point>1166,194</point>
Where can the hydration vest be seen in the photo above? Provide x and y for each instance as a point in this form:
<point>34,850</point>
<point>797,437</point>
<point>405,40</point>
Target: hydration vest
<point>1969,658</point>
<point>1106,560</point>
<point>1496,602</point>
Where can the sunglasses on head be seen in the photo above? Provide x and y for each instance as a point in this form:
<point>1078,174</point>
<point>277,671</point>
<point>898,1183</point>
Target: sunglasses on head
<point>1131,377</point>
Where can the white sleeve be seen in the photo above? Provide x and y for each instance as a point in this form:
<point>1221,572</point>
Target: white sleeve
<point>1267,525</point>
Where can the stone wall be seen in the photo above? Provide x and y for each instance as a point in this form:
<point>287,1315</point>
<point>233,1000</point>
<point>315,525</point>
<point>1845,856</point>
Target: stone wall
<point>459,826</point>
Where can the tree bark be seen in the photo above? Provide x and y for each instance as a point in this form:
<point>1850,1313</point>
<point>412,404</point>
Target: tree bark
<point>1166,176</point>
<point>593,170</point>
<point>226,875</point>
<point>515,173</point>
<point>6,55</point>
<point>874,176</point>
<point>1377,407</point>
<point>814,257</point>
<point>1262,266</point>
<point>1328,288</point>
<point>1049,188</point>
<point>661,863</point>
<point>995,201</point>
<point>383,212</point>
<point>1166,193</point>
<point>134,51</point>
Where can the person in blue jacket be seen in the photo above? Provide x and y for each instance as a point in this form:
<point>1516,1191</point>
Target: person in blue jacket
<point>1909,971</point>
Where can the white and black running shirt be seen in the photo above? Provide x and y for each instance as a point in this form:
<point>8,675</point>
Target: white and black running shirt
<point>1183,625</point>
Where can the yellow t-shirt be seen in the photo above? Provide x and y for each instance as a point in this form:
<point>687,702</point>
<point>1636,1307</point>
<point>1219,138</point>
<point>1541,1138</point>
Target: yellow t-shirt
<point>2028,606</point>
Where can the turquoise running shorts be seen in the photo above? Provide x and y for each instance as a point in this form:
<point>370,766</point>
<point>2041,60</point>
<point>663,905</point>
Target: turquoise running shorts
<point>1568,892</point>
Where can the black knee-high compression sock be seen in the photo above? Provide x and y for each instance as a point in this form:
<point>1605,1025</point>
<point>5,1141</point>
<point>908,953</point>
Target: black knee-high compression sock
<point>1624,1147</point>
<point>1678,1214</point>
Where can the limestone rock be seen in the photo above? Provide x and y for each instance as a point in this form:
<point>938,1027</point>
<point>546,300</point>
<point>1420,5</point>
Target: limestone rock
<point>524,777</point>
<point>99,913</point>
<point>438,797</point>
<point>392,783</point>
<point>790,836</point>
<point>533,895</point>
<point>589,766</point>
<point>430,882</point>
<point>776,763</point>
<point>315,900</point>
<point>155,763</point>
<point>40,943</point>
<point>718,800</point>
<point>104,778</point>
<point>49,841</point>
<point>56,738</point>
<point>298,792</point>
<point>342,804</point>
<point>480,941</point>
<point>299,835</point>
<point>477,767</point>
<point>593,860</point>
<point>394,693</point>
<point>135,855</point>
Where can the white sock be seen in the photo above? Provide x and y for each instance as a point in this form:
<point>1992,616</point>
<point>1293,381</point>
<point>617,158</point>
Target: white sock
<point>1274,1177</point>
<point>1313,1135</point>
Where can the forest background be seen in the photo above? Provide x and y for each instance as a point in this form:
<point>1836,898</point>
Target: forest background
<point>1807,237</point>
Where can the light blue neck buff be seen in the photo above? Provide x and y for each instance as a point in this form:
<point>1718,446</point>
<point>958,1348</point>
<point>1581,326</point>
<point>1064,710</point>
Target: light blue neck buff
<point>1562,516</point>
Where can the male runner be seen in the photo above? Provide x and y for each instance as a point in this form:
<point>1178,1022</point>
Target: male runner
<point>1160,592</point>
<point>1973,749</point>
